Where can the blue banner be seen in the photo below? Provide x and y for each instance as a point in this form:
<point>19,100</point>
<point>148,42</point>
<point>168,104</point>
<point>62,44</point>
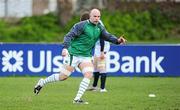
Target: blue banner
<point>128,60</point>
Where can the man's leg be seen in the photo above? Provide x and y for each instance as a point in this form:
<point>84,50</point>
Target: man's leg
<point>102,70</point>
<point>96,78</point>
<point>65,72</point>
<point>103,80</point>
<point>96,74</point>
<point>87,69</point>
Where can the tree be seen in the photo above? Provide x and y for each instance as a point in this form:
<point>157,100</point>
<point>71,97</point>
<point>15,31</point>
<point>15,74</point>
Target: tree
<point>66,8</point>
<point>64,11</point>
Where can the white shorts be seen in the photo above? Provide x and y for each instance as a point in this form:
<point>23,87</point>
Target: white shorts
<point>74,61</point>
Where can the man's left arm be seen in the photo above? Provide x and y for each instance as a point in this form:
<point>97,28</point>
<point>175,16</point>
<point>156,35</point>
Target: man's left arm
<point>112,38</point>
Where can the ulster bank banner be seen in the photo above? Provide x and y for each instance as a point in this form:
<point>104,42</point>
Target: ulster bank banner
<point>128,60</point>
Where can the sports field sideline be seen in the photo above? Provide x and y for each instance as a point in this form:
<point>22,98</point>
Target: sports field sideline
<point>124,93</point>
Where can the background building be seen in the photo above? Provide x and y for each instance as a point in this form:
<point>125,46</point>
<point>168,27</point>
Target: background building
<point>22,8</point>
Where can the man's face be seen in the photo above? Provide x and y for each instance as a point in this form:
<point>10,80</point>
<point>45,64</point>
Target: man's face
<point>95,16</point>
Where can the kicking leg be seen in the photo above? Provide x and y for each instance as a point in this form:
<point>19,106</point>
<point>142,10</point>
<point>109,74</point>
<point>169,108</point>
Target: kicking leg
<point>63,75</point>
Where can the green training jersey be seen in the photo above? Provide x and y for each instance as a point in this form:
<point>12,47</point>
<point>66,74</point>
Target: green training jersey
<point>82,44</point>
<point>81,39</point>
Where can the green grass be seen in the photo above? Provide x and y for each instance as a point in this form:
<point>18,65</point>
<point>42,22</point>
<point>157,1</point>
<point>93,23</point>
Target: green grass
<point>124,93</point>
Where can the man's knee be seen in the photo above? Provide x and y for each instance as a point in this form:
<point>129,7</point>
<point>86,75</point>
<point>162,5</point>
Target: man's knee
<point>65,73</point>
<point>63,77</point>
<point>87,69</point>
<point>88,72</point>
<point>88,75</point>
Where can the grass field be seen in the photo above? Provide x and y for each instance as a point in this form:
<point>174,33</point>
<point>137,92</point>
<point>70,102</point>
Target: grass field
<point>124,93</point>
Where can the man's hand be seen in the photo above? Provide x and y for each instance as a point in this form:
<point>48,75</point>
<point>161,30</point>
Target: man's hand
<point>122,40</point>
<point>64,52</point>
<point>102,56</point>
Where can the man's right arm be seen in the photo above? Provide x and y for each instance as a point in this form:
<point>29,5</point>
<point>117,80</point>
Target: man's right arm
<point>75,31</point>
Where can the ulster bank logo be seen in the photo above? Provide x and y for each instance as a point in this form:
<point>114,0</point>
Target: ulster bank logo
<point>12,61</point>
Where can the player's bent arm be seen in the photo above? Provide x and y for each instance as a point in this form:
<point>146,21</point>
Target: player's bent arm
<point>75,31</point>
<point>106,35</point>
<point>109,37</point>
<point>112,38</point>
